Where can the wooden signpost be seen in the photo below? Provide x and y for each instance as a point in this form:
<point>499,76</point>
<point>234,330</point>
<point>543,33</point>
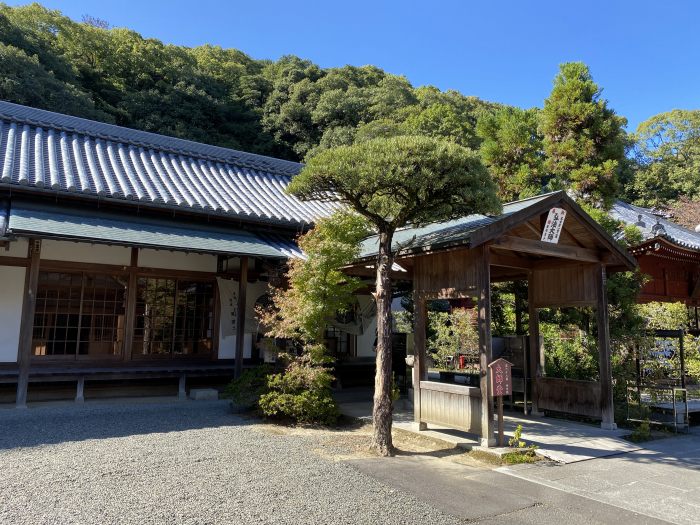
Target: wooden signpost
<point>501,385</point>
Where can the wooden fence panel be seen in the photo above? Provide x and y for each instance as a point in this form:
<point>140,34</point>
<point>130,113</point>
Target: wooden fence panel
<point>569,396</point>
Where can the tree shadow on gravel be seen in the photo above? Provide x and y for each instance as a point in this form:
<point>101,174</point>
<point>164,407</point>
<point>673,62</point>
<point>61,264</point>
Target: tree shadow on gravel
<point>52,424</point>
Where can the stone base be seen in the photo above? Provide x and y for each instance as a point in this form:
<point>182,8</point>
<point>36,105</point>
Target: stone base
<point>608,426</point>
<point>204,394</point>
<point>487,443</point>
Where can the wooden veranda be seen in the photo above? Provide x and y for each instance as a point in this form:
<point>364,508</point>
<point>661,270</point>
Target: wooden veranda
<point>461,259</point>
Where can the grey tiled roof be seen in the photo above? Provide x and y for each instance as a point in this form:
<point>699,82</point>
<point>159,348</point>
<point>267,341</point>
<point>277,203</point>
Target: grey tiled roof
<point>653,225</point>
<point>457,231</point>
<point>49,151</point>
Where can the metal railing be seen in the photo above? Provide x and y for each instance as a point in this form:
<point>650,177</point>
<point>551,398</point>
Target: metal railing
<point>664,405</point>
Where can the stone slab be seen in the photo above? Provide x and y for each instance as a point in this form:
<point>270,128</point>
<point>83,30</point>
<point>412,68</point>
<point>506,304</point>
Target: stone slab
<point>204,394</point>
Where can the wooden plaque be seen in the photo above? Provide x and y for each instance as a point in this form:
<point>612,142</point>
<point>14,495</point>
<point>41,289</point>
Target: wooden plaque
<point>501,378</point>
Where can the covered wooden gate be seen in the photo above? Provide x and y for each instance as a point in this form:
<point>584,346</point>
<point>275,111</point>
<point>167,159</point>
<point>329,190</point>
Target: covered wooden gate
<point>461,258</point>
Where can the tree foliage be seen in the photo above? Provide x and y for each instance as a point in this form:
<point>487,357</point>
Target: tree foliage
<point>285,108</point>
<point>512,150</point>
<point>317,289</point>
<point>667,151</point>
<point>453,333</point>
<point>400,180</point>
<point>394,182</point>
<point>584,140</point>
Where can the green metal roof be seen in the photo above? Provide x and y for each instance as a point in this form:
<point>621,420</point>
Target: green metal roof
<point>457,231</point>
<point>71,224</point>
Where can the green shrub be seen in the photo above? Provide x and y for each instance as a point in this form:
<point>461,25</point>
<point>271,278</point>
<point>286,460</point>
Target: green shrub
<point>302,394</point>
<point>641,433</point>
<point>247,389</point>
<point>516,440</point>
<point>516,458</point>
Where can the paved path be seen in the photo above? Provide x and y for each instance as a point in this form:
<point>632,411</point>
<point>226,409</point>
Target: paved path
<point>489,497</point>
<point>557,439</point>
<point>661,480</point>
<point>567,441</point>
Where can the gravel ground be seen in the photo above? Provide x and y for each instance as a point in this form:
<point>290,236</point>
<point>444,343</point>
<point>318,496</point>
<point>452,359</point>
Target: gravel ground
<point>191,462</point>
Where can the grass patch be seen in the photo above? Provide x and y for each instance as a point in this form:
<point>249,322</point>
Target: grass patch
<point>516,458</point>
<point>485,457</point>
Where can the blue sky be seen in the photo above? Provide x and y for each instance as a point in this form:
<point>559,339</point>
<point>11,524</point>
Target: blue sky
<point>644,54</point>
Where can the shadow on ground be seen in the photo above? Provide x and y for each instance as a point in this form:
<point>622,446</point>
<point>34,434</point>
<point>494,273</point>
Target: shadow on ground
<point>57,423</point>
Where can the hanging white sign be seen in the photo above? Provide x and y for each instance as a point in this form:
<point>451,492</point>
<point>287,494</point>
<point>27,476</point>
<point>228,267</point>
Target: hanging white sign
<point>228,294</point>
<point>553,226</point>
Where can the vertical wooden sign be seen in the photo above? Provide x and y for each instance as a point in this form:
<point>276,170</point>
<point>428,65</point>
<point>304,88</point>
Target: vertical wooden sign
<point>500,372</point>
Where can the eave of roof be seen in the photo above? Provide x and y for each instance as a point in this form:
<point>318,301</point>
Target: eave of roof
<point>475,230</point>
<point>652,225</point>
<point>57,222</point>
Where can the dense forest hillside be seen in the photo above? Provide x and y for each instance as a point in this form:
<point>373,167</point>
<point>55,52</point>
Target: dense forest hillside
<point>209,94</point>
<point>291,108</point>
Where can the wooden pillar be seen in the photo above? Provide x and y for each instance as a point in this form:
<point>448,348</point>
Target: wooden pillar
<point>24,350</point>
<point>240,317</point>
<point>605,366</point>
<point>420,369</point>
<point>80,390</point>
<point>182,387</point>
<point>485,349</point>
<point>131,291</point>
<point>535,349</point>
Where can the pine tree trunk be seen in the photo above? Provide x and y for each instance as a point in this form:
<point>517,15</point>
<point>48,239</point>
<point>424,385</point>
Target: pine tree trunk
<point>382,414</point>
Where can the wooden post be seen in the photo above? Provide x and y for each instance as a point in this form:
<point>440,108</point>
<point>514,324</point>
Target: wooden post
<point>501,441</point>
<point>80,390</point>
<point>535,354</point>
<point>240,317</point>
<point>420,370</point>
<point>682,352</point>
<point>485,349</point>
<point>24,350</point>
<point>182,387</point>
<point>131,291</point>
<point>605,369</point>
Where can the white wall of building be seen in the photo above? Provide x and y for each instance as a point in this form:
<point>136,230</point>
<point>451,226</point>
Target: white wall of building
<point>11,298</point>
<point>227,345</point>
<point>17,248</point>
<point>85,252</point>
<point>365,342</point>
<point>170,260</point>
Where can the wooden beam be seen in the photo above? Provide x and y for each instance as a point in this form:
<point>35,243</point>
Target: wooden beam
<point>549,264</point>
<point>420,369</point>
<point>240,316</point>
<point>510,261</point>
<point>24,350</point>
<point>485,346</point>
<point>533,229</point>
<point>547,249</point>
<point>605,366</point>
<point>13,261</point>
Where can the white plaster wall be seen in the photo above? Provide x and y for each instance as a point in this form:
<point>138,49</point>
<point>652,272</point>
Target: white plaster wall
<point>227,345</point>
<point>365,342</point>
<point>11,298</point>
<point>170,260</point>
<point>17,248</point>
<point>85,252</point>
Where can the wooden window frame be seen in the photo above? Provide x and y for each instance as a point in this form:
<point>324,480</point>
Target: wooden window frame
<point>132,273</point>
